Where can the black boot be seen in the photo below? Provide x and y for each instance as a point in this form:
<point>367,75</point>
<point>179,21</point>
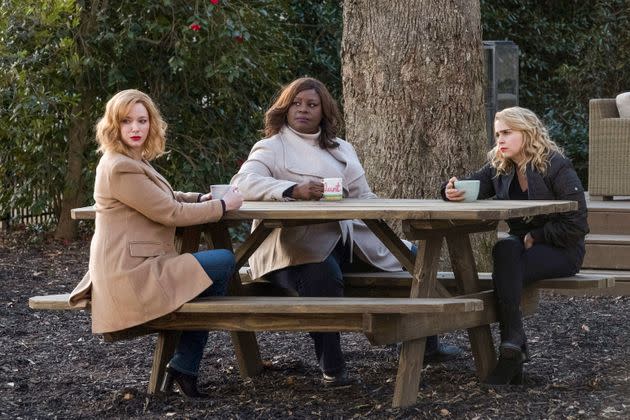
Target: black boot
<point>513,348</point>
<point>187,384</point>
<point>509,369</point>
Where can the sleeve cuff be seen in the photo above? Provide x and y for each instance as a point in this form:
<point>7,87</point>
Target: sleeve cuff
<point>199,198</point>
<point>288,192</point>
<point>223,207</point>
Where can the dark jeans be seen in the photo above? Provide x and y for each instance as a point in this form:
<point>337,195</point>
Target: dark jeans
<point>317,280</point>
<point>516,268</point>
<point>219,265</point>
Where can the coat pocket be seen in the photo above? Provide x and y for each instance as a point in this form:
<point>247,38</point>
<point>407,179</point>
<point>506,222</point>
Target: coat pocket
<point>146,249</point>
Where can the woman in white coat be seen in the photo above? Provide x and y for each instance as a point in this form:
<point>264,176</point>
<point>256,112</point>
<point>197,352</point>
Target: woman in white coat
<point>301,148</point>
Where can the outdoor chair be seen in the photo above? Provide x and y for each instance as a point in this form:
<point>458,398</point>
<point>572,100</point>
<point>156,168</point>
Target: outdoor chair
<point>608,150</point>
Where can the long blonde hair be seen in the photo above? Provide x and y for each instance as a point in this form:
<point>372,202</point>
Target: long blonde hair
<point>537,145</point>
<point>108,127</point>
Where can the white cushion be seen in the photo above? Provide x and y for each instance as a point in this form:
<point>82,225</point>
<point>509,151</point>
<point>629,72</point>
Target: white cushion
<point>623,104</point>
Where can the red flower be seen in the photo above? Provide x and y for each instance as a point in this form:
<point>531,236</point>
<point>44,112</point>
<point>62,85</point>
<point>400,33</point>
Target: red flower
<point>239,38</point>
<point>195,27</point>
<point>215,2</point>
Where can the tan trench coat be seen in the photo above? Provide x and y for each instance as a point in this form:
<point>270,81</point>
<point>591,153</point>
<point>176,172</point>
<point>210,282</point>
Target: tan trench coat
<point>275,164</point>
<point>135,274</point>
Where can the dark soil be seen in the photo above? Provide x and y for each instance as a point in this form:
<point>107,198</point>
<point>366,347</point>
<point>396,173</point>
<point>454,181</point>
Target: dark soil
<point>51,366</point>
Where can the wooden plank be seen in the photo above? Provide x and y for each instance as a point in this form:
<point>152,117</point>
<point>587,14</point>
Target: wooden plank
<point>383,329</point>
<point>325,305</point>
<point>408,375</point>
<point>465,270</point>
<point>52,302</point>
<point>389,238</point>
<point>424,276</point>
<point>252,322</point>
<point>607,239</point>
<point>296,305</point>
<point>83,213</point>
<point>399,209</point>
<point>418,229</point>
<point>250,245</point>
<point>613,222</point>
<point>164,349</point>
<point>607,256</point>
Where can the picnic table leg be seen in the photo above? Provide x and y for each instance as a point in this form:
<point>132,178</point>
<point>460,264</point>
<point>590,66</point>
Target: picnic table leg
<point>409,370</point>
<point>412,352</point>
<point>465,270</point>
<point>245,344</point>
<point>164,348</point>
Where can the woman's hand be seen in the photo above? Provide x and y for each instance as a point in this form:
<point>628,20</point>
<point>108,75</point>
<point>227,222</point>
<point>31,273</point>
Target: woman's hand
<point>205,197</point>
<point>528,241</point>
<point>453,194</point>
<point>233,199</point>
<point>310,190</point>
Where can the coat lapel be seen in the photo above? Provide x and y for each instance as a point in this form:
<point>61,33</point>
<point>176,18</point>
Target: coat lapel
<point>152,173</point>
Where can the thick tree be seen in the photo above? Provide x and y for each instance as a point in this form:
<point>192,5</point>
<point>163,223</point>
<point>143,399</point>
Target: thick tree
<point>412,82</point>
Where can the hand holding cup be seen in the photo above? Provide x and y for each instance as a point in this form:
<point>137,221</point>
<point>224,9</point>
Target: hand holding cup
<point>453,194</point>
<point>465,190</point>
<point>233,199</point>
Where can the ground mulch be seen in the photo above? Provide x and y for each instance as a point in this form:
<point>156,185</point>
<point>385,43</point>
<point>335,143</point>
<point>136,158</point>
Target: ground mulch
<point>52,367</point>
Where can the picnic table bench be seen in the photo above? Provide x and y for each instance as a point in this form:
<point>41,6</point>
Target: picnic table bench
<point>424,305</point>
<point>371,316</point>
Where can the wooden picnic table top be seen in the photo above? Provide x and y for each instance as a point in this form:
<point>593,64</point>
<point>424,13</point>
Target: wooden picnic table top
<point>379,208</point>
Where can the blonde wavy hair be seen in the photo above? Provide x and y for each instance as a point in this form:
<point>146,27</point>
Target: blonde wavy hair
<point>108,127</point>
<point>537,145</point>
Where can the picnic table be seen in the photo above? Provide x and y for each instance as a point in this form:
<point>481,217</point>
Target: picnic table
<point>430,222</point>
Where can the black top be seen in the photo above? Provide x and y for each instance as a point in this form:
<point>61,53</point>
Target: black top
<point>521,225</point>
<point>559,182</point>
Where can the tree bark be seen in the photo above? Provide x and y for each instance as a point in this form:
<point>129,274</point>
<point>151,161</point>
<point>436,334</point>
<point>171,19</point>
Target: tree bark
<point>413,82</point>
<point>413,96</point>
<point>79,135</point>
<point>80,130</point>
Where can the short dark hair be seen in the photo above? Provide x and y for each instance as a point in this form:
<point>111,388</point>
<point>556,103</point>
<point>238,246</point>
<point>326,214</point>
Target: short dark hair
<point>276,115</point>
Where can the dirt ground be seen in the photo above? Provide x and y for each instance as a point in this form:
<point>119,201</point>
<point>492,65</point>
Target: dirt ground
<point>52,367</point>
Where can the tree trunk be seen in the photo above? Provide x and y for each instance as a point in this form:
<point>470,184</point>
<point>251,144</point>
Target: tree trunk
<point>79,136</point>
<point>80,130</point>
<point>413,93</point>
<point>412,82</point>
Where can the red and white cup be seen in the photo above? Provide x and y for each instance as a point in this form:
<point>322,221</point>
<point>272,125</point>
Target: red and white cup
<point>333,189</point>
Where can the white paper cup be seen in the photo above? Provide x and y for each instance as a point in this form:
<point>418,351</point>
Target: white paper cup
<point>470,188</point>
<point>333,189</point>
<point>219,190</point>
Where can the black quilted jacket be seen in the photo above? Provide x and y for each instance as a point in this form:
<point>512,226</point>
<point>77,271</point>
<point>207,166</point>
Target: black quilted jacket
<point>560,182</point>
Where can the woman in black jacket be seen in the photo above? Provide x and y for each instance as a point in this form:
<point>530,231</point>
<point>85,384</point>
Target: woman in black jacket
<point>526,164</point>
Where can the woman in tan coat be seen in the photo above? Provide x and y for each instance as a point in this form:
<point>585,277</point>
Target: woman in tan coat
<point>301,148</point>
<point>135,275</point>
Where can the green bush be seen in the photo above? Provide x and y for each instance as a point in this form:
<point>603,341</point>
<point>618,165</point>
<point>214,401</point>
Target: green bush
<point>571,51</point>
<point>212,69</point>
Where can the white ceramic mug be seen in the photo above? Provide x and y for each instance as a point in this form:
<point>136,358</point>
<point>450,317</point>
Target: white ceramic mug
<point>333,189</point>
<point>470,188</point>
<point>219,190</point>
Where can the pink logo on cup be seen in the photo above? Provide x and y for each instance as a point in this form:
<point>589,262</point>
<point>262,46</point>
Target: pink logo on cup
<point>333,189</point>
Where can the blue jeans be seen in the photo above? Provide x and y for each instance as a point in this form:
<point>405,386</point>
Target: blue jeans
<point>219,266</point>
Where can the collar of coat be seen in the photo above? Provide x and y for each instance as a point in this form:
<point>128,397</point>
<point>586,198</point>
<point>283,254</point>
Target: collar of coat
<point>296,149</point>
